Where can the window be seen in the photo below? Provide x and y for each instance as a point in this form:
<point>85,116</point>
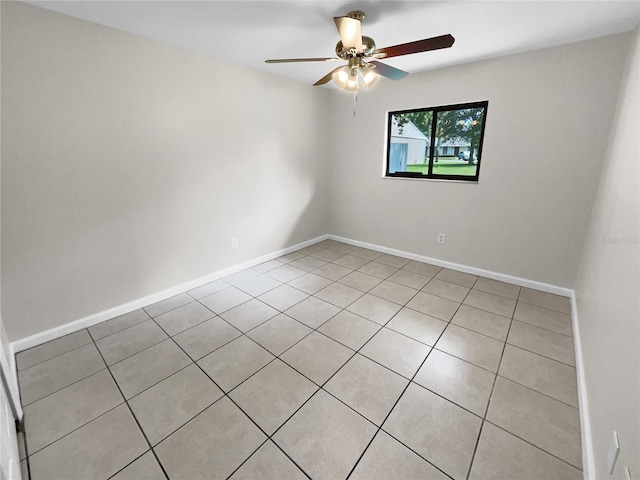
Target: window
<point>443,143</point>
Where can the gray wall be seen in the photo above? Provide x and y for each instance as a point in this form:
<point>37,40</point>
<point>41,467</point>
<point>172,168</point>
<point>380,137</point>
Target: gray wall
<point>547,125</point>
<point>608,285</point>
<point>128,165</point>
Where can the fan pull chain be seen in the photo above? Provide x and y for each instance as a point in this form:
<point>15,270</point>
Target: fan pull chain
<point>355,99</point>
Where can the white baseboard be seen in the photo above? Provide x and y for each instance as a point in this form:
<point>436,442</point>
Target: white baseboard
<point>90,320</point>
<point>522,282</point>
<point>588,459</point>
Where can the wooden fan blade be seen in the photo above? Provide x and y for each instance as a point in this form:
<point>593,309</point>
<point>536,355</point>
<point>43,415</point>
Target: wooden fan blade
<point>388,71</point>
<point>435,43</point>
<point>350,31</point>
<point>292,60</point>
<point>326,78</point>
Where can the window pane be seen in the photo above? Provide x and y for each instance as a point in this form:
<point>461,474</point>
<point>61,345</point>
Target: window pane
<point>409,142</point>
<point>457,131</point>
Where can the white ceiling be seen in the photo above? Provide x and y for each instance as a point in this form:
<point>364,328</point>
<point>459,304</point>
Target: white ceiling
<point>249,32</point>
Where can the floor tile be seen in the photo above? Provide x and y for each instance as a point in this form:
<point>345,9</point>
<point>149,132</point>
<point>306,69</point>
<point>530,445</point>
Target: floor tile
<point>310,249</point>
<point>422,268</point>
<point>387,458</point>
<point>313,312</point>
<point>438,430</point>
<point>433,305</point>
<point>258,285</point>
<point>286,273</point>
<point>453,276</point>
<point>47,377</point>
<point>495,287</point>
<point>62,412</point>
<point>268,463</point>
<point>146,467</point>
<point>46,351</point>
<point>310,283</point>
<point>308,263</point>
<point>491,303</point>
<point>279,333</point>
<point>116,324</point>
<point>417,325</point>
<point>249,315</point>
<point>392,260</point>
<point>267,266</point>
<point>351,262</point>
<point>235,362</point>
<point>544,342</point>
<point>481,321</point>
<point>360,281</point>
<point>365,253</point>
<point>273,394</point>
<point>97,450</point>
<point>547,423</point>
<point>448,290</point>
<point>342,247</point>
<point>125,343</point>
<point>501,455</point>
<point>148,367</point>
<point>184,317</point>
<point>206,337</point>
<point>339,295</point>
<point>542,374</point>
<point>350,329</point>
<point>374,308</point>
<point>544,318</point>
<point>290,257</point>
<point>214,443</point>
<point>283,297</point>
<point>325,425</point>
<point>409,279</point>
<point>378,270</point>
<point>317,357</point>
<point>208,288</point>
<point>240,276</point>
<point>164,306</point>
<point>473,347</point>
<point>369,388</point>
<point>545,300</point>
<point>174,401</point>
<point>393,292</point>
<point>332,271</point>
<point>327,255</point>
<point>459,381</point>
<point>224,300</point>
<point>397,352</point>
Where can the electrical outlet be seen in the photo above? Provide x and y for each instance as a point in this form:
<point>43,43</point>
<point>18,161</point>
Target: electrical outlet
<point>441,238</point>
<point>614,450</point>
<point>234,242</point>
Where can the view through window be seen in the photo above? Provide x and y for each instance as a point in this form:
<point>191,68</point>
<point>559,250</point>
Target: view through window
<point>437,142</point>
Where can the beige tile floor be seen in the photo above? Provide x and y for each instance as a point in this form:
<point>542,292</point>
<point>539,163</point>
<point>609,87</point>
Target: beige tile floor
<point>331,362</point>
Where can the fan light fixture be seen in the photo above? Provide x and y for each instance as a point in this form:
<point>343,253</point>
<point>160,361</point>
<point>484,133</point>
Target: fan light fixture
<point>350,77</point>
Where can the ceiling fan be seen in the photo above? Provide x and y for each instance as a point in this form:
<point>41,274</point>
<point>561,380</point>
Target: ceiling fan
<point>361,53</point>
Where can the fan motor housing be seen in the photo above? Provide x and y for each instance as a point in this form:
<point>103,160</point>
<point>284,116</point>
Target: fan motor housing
<point>368,46</point>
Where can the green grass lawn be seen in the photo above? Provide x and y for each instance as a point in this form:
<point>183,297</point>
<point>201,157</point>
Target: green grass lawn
<point>454,167</point>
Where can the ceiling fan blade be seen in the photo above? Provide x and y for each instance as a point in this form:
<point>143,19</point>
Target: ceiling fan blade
<point>388,71</point>
<point>326,78</point>
<point>290,60</point>
<point>435,43</point>
<point>350,31</point>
